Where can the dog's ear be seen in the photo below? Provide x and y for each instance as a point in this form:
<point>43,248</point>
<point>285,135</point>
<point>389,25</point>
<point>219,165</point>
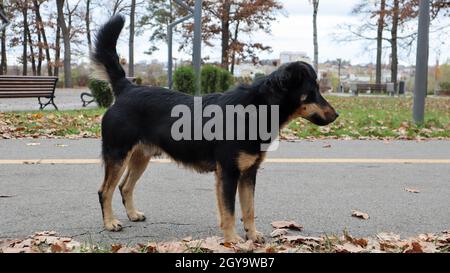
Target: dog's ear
<point>283,77</point>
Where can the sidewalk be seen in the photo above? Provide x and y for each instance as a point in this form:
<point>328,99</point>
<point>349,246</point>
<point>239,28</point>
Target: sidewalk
<point>66,99</point>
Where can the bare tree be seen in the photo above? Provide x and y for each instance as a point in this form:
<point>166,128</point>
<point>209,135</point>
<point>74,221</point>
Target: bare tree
<point>67,47</point>
<point>380,41</point>
<point>4,60</point>
<point>42,34</point>
<point>88,26</point>
<point>132,34</point>
<point>394,37</point>
<point>25,38</point>
<point>316,40</point>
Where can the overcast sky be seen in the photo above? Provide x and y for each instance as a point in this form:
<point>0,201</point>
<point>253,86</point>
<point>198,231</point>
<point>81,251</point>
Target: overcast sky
<point>293,32</point>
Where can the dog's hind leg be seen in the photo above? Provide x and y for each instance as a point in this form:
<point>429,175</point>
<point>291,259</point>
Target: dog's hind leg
<point>113,172</point>
<point>226,187</point>
<point>247,184</point>
<point>136,167</point>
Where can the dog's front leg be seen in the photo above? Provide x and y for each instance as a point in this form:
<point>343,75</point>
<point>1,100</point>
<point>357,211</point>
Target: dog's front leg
<point>226,188</point>
<point>247,184</point>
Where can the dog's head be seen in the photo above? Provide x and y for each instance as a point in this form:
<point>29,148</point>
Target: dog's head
<point>299,85</point>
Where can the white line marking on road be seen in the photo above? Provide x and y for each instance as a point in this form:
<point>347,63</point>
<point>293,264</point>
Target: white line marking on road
<point>380,161</point>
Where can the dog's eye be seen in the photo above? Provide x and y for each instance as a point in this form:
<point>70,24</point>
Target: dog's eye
<point>303,98</point>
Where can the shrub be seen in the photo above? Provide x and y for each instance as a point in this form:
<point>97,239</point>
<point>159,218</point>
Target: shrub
<point>445,86</point>
<point>259,76</point>
<point>102,92</point>
<point>184,80</point>
<point>244,80</point>
<point>139,80</point>
<point>214,79</point>
<point>210,79</point>
<point>226,80</point>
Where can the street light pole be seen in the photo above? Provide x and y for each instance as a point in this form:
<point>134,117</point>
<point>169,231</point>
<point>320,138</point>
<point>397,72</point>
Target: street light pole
<point>197,46</point>
<point>421,85</point>
<point>197,54</point>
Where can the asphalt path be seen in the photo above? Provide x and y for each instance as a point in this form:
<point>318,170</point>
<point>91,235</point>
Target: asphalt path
<point>316,184</point>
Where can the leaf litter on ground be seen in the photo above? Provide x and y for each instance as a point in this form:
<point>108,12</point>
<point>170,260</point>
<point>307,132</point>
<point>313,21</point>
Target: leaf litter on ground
<point>51,242</point>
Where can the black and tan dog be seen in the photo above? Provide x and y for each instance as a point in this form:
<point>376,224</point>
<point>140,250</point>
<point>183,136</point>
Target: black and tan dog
<point>138,127</point>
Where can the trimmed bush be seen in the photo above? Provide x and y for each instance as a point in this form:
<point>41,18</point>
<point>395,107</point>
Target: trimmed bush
<point>102,92</point>
<point>139,80</point>
<point>445,86</point>
<point>214,79</point>
<point>226,80</point>
<point>184,80</point>
<point>259,76</point>
<point>210,79</point>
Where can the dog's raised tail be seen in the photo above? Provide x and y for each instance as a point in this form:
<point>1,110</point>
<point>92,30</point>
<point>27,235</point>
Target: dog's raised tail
<point>105,55</point>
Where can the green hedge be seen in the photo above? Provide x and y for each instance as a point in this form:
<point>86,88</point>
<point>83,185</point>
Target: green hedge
<point>183,80</point>
<point>213,79</point>
<point>102,92</point>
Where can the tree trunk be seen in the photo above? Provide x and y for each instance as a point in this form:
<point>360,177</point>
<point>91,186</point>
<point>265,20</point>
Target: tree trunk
<point>32,57</point>
<point>316,42</point>
<point>88,26</point>
<point>41,29</point>
<point>40,54</point>
<point>4,62</point>
<point>394,64</point>
<point>235,39</point>
<point>25,42</point>
<point>131,44</point>
<point>380,41</point>
<point>3,65</point>
<point>226,35</point>
<point>67,46</point>
<point>57,51</point>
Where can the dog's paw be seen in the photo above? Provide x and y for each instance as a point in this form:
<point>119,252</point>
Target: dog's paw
<point>256,237</point>
<point>114,226</point>
<point>233,239</point>
<point>136,216</point>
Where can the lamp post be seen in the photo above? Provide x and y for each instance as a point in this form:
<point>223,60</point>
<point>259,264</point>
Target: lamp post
<point>195,13</point>
<point>421,85</point>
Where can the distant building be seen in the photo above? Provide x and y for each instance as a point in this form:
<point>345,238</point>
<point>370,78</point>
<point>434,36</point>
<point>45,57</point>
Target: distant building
<point>289,57</point>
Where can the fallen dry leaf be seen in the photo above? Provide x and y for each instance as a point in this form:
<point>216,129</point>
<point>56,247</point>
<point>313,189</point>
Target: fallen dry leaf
<point>361,215</point>
<point>349,248</point>
<point>388,237</point>
<point>279,232</point>
<point>287,225</point>
<point>359,242</point>
<point>115,248</point>
<point>412,190</point>
<point>58,248</point>
<point>414,247</point>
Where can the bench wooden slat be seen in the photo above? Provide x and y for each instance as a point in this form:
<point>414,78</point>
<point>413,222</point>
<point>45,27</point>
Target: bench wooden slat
<point>29,87</point>
<point>22,89</point>
<point>34,95</point>
<point>18,81</point>
<point>28,77</point>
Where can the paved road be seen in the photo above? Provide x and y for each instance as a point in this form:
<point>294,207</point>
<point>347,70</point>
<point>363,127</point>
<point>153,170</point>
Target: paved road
<point>179,203</point>
<point>66,99</point>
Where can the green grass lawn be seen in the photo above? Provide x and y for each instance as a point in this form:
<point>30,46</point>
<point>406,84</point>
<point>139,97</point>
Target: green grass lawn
<point>361,118</point>
<point>365,117</point>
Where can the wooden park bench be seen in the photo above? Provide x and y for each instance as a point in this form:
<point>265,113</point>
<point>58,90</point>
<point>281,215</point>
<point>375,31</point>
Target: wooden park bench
<point>373,88</point>
<point>88,98</point>
<point>29,87</point>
